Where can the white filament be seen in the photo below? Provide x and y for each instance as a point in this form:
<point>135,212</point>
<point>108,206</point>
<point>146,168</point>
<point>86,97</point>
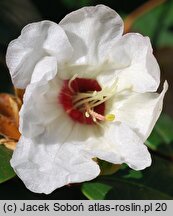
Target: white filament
<point>94,98</point>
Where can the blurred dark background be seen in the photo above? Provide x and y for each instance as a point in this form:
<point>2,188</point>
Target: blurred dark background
<point>15,14</point>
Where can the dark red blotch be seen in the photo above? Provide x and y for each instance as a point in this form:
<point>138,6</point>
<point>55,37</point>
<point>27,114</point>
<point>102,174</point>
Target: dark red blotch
<point>66,99</point>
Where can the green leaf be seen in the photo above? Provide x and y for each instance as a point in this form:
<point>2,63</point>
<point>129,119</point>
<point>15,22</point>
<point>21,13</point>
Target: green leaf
<point>6,172</point>
<point>161,138</point>
<point>129,184</point>
<point>95,190</point>
<point>133,174</point>
<point>157,24</point>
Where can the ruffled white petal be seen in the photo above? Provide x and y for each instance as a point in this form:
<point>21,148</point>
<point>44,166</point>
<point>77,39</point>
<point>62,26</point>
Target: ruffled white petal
<point>139,111</point>
<point>40,107</point>
<point>45,70</point>
<point>36,41</point>
<point>120,145</point>
<point>91,31</point>
<point>143,74</point>
<point>133,65</point>
<point>43,167</point>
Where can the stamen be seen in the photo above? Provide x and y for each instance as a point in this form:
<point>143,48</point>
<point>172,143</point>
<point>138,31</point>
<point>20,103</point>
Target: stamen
<point>94,98</point>
<point>84,100</point>
<point>70,82</point>
<point>88,100</point>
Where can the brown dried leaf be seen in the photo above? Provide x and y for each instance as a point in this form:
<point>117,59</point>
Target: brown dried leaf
<point>9,107</point>
<point>5,107</point>
<point>8,128</point>
<point>15,110</point>
<point>19,94</point>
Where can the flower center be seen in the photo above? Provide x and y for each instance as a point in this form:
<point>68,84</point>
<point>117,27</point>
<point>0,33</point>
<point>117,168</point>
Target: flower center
<point>84,100</point>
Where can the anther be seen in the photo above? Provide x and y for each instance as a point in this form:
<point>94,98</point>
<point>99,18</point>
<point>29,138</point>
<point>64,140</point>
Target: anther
<point>110,117</point>
<point>87,115</point>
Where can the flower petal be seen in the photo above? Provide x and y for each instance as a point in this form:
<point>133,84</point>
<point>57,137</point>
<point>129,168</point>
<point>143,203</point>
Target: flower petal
<point>143,74</point>
<point>91,30</point>
<point>40,107</point>
<point>121,145</point>
<point>43,167</point>
<point>45,69</point>
<point>55,157</point>
<point>139,111</point>
<point>36,41</point>
<point>133,65</point>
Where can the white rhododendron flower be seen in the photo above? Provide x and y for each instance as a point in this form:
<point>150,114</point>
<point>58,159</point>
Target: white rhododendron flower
<point>90,93</point>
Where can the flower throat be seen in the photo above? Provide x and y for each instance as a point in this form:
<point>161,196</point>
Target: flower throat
<point>84,100</point>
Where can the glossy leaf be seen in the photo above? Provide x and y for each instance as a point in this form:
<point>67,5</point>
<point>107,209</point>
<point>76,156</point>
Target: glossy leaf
<point>95,190</point>
<point>161,138</point>
<point>129,184</point>
<point>6,172</point>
